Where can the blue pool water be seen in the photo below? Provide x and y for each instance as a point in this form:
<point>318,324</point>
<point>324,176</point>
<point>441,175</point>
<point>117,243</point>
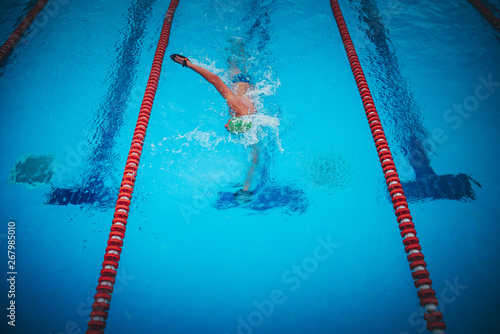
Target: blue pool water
<point>316,248</point>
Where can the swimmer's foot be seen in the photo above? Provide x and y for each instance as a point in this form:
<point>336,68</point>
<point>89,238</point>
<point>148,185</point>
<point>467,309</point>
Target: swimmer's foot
<point>180,60</point>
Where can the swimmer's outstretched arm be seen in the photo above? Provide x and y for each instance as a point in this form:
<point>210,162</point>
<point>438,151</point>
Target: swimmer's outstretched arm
<point>214,79</point>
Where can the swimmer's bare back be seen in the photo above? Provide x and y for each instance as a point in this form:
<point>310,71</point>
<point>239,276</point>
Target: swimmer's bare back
<point>238,103</point>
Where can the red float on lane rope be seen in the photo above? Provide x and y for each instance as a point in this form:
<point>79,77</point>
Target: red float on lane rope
<point>102,298</point>
<point>21,29</point>
<point>415,257</point>
<point>495,21</point>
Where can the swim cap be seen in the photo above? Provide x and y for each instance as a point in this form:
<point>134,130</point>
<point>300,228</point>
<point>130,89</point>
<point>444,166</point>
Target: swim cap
<point>238,125</point>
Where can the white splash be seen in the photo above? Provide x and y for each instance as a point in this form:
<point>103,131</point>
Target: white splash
<point>260,124</point>
<point>205,139</point>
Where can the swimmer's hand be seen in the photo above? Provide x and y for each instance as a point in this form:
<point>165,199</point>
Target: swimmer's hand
<point>184,61</point>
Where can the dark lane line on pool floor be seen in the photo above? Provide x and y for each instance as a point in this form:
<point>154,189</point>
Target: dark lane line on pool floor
<point>402,111</point>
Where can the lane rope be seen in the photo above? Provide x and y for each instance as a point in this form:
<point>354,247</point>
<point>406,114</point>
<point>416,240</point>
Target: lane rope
<point>102,298</point>
<point>15,37</point>
<point>415,257</point>
<point>487,13</point>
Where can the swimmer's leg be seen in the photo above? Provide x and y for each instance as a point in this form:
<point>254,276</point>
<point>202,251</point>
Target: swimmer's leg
<point>251,170</point>
<point>237,56</point>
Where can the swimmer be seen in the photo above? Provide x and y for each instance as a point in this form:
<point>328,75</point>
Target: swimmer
<point>239,104</point>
